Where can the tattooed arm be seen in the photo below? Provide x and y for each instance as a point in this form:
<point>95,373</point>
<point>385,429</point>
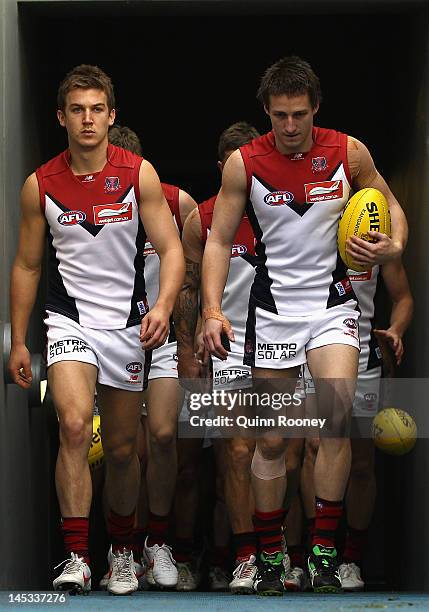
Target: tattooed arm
<point>186,309</point>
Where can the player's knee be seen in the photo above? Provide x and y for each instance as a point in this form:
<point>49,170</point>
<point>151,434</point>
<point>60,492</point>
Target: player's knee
<point>120,454</point>
<point>163,437</point>
<point>333,446</point>
<point>240,454</point>
<point>266,467</point>
<point>272,447</point>
<point>75,431</point>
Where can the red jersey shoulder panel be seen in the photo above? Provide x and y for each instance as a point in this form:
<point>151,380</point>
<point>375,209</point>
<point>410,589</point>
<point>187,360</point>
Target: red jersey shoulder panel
<point>171,194</point>
<point>206,215</point>
<point>244,240</point>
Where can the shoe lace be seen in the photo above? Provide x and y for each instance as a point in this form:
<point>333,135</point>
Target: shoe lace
<point>74,564</point>
<point>164,558</point>
<point>244,570</point>
<point>122,567</point>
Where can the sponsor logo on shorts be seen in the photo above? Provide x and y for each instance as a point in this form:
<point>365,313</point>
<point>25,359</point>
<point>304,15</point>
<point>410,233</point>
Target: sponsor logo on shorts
<point>67,346</point>
<point>72,217</point>
<point>148,249</point>
<point>358,277</point>
<point>278,198</point>
<point>134,367</point>
<point>343,286</point>
<point>371,401</point>
<point>228,375</point>
<point>175,357</point>
<point>142,307</point>
<point>326,190</point>
<point>276,350</point>
<point>111,184</point>
<point>238,249</point>
<point>112,213</point>
<point>318,164</point>
<point>350,323</point>
<point>378,352</point>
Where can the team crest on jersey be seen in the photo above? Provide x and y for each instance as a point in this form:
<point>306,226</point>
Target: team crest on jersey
<point>318,164</point>
<point>113,213</point>
<point>111,184</point>
<point>238,249</point>
<point>325,190</point>
<point>72,217</point>
<point>278,198</point>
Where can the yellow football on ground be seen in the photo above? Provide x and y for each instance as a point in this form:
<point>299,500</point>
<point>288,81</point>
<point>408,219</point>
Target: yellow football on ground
<point>366,211</point>
<point>95,453</point>
<point>394,431</point>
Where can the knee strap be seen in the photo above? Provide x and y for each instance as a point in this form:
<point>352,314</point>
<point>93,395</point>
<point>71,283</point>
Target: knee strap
<point>268,469</point>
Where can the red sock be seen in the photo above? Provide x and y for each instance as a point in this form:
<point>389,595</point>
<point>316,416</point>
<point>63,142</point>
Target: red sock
<point>328,515</point>
<point>355,545</point>
<point>245,545</point>
<point>157,529</point>
<point>120,530</point>
<point>75,530</point>
<point>268,528</point>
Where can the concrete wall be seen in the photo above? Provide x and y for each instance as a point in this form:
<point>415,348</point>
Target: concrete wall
<point>24,535</point>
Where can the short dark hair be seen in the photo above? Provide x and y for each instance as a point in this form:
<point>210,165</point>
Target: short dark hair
<point>235,136</point>
<point>291,76</point>
<point>122,136</point>
<point>86,76</point>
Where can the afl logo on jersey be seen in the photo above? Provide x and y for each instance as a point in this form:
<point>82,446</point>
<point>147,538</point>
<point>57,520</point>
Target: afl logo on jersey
<point>278,198</point>
<point>238,249</point>
<point>72,217</point>
<point>134,366</point>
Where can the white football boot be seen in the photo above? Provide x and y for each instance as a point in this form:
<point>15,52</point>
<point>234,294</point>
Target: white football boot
<point>161,567</point>
<point>122,574</point>
<point>75,577</point>
<point>243,577</point>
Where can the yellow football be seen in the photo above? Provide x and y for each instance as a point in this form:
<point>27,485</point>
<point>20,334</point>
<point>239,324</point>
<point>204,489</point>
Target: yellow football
<point>95,454</point>
<point>366,211</point>
<point>394,431</point>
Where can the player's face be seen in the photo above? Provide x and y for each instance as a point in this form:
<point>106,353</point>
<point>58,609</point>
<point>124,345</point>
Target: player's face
<point>292,122</point>
<point>86,117</point>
